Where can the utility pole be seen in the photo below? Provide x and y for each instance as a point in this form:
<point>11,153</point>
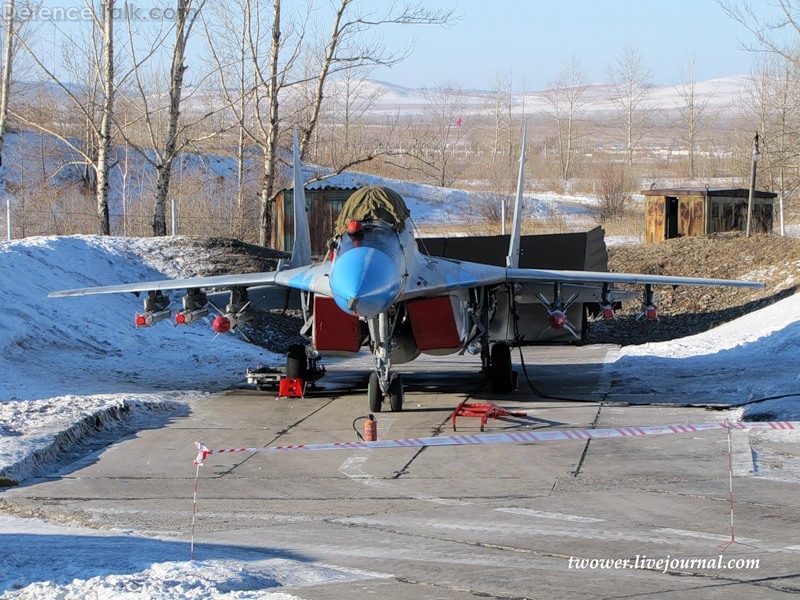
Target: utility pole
<point>756,156</point>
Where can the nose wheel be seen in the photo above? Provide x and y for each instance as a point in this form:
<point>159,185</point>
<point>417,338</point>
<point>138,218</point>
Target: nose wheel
<point>396,392</point>
<point>374,393</point>
<point>394,395</point>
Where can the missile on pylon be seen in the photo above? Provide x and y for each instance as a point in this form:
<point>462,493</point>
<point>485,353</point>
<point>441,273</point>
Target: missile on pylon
<point>156,308</point>
<point>230,321</point>
<point>557,319</point>
<point>185,317</point>
<point>150,318</point>
<point>236,312</point>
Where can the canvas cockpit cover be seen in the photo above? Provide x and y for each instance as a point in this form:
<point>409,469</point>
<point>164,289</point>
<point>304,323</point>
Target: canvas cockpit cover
<point>373,202</point>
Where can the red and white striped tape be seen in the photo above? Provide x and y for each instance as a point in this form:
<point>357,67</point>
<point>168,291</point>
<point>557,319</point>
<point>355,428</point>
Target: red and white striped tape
<point>516,437</point>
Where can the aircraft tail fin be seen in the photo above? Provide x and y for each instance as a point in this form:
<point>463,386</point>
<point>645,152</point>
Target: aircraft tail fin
<point>512,260</point>
<point>301,250</point>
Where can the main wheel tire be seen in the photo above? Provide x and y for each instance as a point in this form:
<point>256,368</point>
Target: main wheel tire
<point>374,393</point>
<point>502,374</point>
<point>396,392</point>
<point>296,362</point>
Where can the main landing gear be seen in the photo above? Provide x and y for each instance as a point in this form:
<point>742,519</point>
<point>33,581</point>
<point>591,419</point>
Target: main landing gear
<point>501,374</point>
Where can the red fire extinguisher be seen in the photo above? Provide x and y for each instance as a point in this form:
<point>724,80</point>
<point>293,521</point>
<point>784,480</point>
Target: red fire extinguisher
<point>370,429</point>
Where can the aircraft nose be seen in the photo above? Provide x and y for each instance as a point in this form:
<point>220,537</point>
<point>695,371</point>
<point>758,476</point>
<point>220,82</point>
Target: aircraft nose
<point>364,281</point>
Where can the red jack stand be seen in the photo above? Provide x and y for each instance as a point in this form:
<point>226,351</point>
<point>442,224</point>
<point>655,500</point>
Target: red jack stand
<point>292,387</point>
<point>484,410</point>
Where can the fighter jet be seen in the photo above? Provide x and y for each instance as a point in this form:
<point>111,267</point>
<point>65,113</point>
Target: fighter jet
<point>376,289</point>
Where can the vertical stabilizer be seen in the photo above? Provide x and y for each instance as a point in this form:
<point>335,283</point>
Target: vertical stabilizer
<point>301,251</point>
<point>512,260</point>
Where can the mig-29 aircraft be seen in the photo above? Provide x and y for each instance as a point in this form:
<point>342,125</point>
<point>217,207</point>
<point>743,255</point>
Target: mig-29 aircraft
<point>375,288</point>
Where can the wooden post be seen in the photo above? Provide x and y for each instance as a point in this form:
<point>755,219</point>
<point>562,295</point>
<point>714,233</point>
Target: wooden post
<point>756,156</point>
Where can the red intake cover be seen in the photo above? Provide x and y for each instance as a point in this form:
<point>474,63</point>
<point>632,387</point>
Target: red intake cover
<point>335,331</point>
<point>433,323</point>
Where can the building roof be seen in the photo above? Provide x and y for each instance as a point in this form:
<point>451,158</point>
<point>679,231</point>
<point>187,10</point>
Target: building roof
<point>708,191</point>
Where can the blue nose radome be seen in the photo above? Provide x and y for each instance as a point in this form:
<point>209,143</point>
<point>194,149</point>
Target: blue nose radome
<point>364,281</point>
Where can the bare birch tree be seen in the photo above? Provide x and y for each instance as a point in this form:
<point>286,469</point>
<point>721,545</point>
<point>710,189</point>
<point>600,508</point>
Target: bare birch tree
<point>772,104</point>
<point>104,133</point>
<point>15,25</point>
<point>97,155</point>
<point>166,133</point>
<point>695,113</point>
<point>349,45</point>
<point>778,35</point>
<point>5,79</point>
<point>502,108</point>
<point>630,85</point>
<point>565,97</point>
<point>443,133</point>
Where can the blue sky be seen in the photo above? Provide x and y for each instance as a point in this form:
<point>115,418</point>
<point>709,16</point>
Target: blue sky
<point>534,38</point>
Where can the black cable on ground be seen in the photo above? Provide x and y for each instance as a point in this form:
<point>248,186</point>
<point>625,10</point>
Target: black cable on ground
<point>604,401</point>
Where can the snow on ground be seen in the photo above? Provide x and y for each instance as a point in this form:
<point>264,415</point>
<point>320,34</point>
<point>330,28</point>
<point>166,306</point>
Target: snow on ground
<point>753,357</point>
<point>89,344</point>
<point>120,564</point>
<point>436,205</point>
<point>66,360</point>
<point>75,372</point>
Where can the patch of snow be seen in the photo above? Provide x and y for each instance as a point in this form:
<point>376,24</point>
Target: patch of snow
<point>90,563</point>
<point>750,358</point>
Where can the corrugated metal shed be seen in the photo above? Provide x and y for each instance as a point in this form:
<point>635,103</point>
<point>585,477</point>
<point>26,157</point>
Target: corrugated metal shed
<point>324,205</point>
<point>678,212</point>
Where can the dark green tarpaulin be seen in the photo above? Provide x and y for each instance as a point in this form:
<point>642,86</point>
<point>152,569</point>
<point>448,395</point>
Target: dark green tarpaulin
<point>373,202</point>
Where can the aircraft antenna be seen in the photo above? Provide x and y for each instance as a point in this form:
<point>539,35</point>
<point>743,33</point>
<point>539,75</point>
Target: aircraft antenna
<point>512,260</point>
<point>419,236</point>
<point>301,250</point>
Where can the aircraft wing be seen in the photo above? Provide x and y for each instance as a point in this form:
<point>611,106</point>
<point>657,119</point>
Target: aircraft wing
<point>442,275</point>
<point>248,280</point>
<point>311,278</point>
<point>599,277</point>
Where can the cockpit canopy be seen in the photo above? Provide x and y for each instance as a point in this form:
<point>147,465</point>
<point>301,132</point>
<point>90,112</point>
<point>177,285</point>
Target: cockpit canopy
<point>373,203</point>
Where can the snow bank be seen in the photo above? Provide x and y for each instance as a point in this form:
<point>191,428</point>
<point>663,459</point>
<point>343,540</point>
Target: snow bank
<point>753,357</point>
<point>36,434</point>
<point>101,564</point>
<point>73,368</point>
<point>89,345</point>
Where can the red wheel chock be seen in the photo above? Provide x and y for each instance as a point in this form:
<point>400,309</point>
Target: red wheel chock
<point>292,387</point>
<point>484,410</point>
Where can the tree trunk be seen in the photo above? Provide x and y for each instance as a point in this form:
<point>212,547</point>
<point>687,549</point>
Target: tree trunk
<point>177,70</point>
<point>104,146</point>
<point>268,186</point>
<point>8,54</point>
<point>319,92</point>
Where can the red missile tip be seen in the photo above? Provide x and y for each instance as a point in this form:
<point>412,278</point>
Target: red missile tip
<point>141,320</point>
<point>608,312</point>
<point>180,318</point>
<point>221,324</point>
<point>557,320</point>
